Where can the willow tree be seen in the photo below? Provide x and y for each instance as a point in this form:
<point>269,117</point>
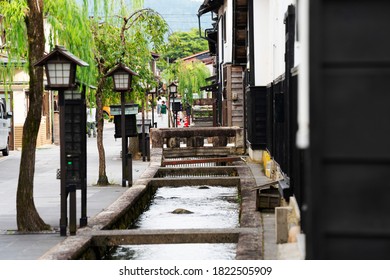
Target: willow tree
<point>25,40</point>
<point>128,36</point>
<point>191,76</point>
<point>184,43</point>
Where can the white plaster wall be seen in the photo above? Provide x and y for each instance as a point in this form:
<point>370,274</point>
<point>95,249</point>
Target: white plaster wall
<point>279,9</point>
<point>226,48</point>
<point>298,44</point>
<point>269,36</point>
<point>21,77</point>
<point>228,45</point>
<point>220,32</point>
<point>20,107</point>
<point>47,28</point>
<point>211,69</point>
<point>262,42</point>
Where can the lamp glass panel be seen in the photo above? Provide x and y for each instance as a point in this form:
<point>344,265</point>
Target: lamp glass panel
<point>72,95</point>
<point>172,88</point>
<point>59,73</point>
<point>121,80</point>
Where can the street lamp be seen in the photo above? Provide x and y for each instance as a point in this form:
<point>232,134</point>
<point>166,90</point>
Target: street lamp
<point>172,94</point>
<point>173,89</point>
<point>60,66</point>
<point>122,76</point>
<point>153,91</point>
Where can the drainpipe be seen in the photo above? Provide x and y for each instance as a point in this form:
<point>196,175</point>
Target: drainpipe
<point>303,141</point>
<point>220,78</point>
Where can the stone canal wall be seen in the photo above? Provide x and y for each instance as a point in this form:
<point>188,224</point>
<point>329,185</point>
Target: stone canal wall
<point>109,227</point>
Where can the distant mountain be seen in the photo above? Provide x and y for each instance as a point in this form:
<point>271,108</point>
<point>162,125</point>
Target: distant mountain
<point>181,15</point>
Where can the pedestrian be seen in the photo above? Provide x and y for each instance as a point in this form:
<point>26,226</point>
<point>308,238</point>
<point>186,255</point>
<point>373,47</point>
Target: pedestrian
<point>188,112</point>
<point>91,121</point>
<point>163,111</point>
<point>159,101</point>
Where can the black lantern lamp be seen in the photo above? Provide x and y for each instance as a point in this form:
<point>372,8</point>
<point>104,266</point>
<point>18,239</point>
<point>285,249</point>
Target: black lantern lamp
<point>123,76</point>
<point>172,89</point>
<point>172,94</point>
<point>153,92</point>
<point>60,66</point>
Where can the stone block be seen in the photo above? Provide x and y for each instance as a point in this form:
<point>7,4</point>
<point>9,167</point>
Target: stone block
<point>281,224</point>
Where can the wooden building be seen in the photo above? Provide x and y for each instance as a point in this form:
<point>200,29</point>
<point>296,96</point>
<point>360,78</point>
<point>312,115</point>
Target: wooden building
<point>313,77</point>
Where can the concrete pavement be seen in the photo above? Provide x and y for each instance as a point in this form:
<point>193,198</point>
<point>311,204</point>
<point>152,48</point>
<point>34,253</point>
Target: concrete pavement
<point>272,250</point>
<point>16,246</point>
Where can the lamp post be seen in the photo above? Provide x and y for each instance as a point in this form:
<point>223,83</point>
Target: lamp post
<point>60,66</point>
<point>153,92</point>
<point>75,122</point>
<point>172,94</point>
<point>122,76</point>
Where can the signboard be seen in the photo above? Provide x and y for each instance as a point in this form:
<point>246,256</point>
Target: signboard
<point>130,109</point>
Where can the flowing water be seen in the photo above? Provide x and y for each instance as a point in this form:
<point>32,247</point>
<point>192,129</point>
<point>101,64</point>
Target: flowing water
<point>207,207</point>
<point>218,251</point>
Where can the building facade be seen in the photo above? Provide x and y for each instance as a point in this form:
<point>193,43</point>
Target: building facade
<point>313,79</point>
<point>15,91</point>
<point>16,96</point>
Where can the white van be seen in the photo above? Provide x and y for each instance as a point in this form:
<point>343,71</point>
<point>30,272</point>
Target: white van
<point>4,128</point>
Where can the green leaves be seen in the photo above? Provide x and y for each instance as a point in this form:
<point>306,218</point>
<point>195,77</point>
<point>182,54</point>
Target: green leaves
<point>95,40</point>
<point>182,44</point>
<point>129,37</point>
<point>70,27</point>
<point>191,76</point>
<point>14,25</point>
<point>66,24</point>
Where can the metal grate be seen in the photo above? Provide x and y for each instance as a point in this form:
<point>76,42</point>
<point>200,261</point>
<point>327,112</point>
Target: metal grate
<point>199,161</point>
<point>197,172</point>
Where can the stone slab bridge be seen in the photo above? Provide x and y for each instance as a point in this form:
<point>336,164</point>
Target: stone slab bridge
<point>197,145</point>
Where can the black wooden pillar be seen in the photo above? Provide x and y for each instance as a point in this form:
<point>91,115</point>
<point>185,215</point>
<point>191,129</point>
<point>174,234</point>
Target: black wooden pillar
<point>73,151</point>
<point>349,187</point>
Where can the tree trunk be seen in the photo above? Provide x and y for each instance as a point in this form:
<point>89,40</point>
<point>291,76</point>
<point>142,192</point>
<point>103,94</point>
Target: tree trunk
<point>27,216</point>
<point>102,180</point>
<point>134,148</point>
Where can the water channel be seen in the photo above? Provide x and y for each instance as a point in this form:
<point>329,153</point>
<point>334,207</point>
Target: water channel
<point>205,207</point>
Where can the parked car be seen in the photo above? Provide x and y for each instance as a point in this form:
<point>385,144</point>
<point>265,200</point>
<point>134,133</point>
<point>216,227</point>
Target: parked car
<point>4,128</point>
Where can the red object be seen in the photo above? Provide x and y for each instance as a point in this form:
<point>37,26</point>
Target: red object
<point>186,121</point>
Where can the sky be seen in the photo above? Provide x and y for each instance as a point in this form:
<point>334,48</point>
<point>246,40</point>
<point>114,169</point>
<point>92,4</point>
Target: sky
<point>181,15</point>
